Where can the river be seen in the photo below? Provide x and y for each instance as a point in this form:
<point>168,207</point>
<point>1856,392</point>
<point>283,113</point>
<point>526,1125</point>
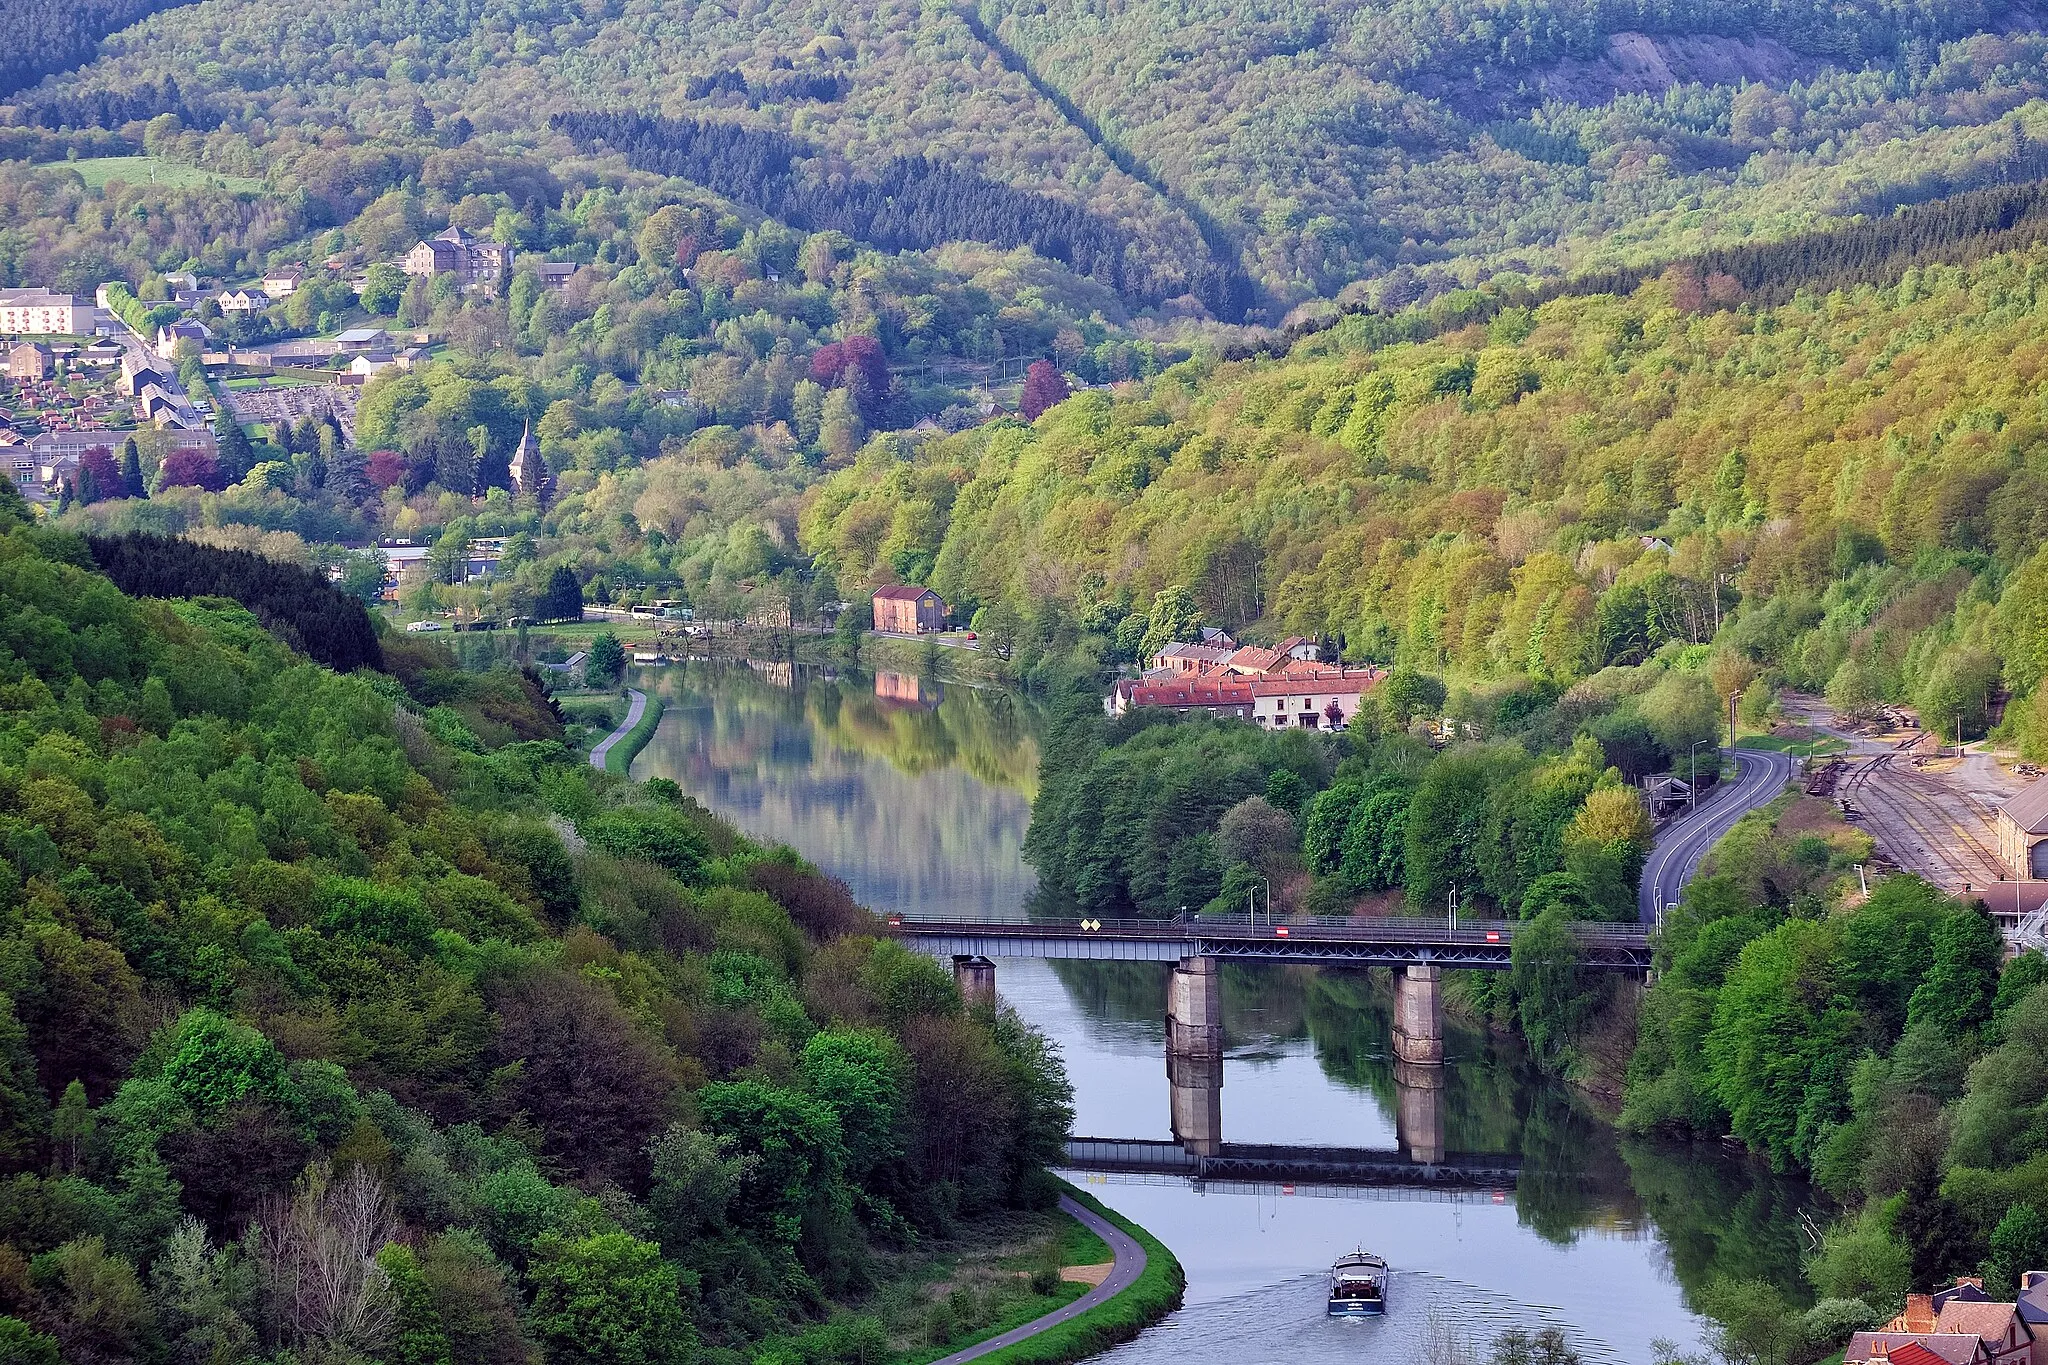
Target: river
<point>918,798</point>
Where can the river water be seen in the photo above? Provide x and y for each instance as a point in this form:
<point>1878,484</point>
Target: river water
<point>919,797</point>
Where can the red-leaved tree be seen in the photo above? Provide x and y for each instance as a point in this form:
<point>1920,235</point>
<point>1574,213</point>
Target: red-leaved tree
<point>192,469</point>
<point>385,468</point>
<point>98,476</point>
<point>1044,386</point>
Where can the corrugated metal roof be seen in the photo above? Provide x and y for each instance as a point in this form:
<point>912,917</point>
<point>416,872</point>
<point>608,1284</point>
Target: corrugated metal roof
<point>2029,810</point>
<point>905,592</point>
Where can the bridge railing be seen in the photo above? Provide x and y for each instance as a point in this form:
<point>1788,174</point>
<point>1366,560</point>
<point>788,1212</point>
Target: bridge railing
<point>1390,929</point>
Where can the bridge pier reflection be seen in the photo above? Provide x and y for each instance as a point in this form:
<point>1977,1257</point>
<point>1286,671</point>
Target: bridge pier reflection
<point>1194,1054</point>
<point>1419,1111</point>
<point>1194,1060</point>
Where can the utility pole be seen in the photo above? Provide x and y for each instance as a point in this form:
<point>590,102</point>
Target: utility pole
<point>1733,697</point>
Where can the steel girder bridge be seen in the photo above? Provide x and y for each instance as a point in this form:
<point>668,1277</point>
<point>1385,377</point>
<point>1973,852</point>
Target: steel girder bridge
<point>1390,942</point>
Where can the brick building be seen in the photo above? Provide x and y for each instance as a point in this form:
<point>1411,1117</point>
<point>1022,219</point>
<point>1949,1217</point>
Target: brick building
<point>909,610</point>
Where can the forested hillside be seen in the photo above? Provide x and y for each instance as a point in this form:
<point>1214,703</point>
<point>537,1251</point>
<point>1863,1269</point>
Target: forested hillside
<point>1846,492</point>
<point>329,1030</point>
<point>1409,148</point>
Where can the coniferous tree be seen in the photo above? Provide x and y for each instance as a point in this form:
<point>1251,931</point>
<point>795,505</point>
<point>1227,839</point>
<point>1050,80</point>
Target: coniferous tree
<point>132,484</point>
<point>237,455</point>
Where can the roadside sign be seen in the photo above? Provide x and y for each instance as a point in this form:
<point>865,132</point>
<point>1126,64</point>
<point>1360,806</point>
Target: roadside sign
<point>1280,931</point>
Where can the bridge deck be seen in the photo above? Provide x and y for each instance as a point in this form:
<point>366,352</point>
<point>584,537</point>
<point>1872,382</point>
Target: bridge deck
<point>1260,1164</point>
<point>1484,944</point>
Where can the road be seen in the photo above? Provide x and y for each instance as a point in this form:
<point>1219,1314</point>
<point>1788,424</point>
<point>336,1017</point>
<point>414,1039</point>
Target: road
<point>1760,775</point>
<point>636,708</point>
<point>1130,1263</point>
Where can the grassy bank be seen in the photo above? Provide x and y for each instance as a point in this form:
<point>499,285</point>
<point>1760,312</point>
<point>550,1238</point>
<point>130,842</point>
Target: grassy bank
<point>619,758</point>
<point>1156,1293</point>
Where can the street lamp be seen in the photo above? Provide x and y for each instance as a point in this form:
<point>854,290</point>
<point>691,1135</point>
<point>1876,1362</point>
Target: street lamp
<point>1693,796</point>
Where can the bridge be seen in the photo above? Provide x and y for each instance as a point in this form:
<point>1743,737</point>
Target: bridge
<point>1259,1164</point>
<point>1419,948</point>
<point>1388,942</point>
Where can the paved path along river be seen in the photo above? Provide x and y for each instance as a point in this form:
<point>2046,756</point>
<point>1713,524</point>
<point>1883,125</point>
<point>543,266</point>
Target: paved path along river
<point>1130,1263</point>
<point>636,708</point>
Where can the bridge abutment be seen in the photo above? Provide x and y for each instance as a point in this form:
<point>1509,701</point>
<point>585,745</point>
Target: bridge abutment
<point>976,978</point>
<point>1194,1054</point>
<point>1419,1016</point>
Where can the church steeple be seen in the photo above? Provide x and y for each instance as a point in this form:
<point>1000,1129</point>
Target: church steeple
<point>528,470</point>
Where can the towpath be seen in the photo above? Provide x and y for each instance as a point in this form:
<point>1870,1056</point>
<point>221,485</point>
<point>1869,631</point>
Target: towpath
<point>1130,1263</point>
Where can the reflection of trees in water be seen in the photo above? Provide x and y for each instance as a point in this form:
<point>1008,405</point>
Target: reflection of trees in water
<point>1117,992</point>
<point>1722,1214</point>
<point>991,734</point>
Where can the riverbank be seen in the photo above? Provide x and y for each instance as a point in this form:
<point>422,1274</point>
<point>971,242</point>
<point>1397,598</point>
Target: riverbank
<point>618,759</point>
<point>1124,1310</point>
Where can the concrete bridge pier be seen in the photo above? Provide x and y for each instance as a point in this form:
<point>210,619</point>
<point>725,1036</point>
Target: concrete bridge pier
<point>1419,1015</point>
<point>1194,1054</point>
<point>976,978</point>
<point>1419,1111</point>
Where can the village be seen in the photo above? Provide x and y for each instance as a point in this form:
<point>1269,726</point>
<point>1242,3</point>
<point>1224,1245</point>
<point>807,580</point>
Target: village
<point>81,374</point>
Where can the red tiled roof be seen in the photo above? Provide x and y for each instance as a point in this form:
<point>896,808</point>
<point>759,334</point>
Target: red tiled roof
<point>904,592</point>
<point>1328,680</point>
<point>1254,659</point>
<point>1193,692</point>
<point>1913,1353</point>
<point>1933,1348</point>
<point>1978,1318</point>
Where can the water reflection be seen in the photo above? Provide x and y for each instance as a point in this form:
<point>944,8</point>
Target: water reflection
<point>918,803</point>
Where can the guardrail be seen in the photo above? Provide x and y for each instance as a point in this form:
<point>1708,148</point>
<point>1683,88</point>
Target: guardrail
<point>1392,929</point>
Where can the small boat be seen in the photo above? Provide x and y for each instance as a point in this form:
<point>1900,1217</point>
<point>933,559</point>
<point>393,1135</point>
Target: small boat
<point>1358,1286</point>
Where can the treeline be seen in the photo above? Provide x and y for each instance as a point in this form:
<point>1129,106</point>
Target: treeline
<point>909,203</point>
<point>1961,229</point>
<point>817,86</point>
<point>113,108</point>
<point>301,606</point>
<point>1154,815</point>
<point>38,37</point>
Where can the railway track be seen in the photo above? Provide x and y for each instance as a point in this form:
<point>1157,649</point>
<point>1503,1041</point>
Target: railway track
<point>1948,852</point>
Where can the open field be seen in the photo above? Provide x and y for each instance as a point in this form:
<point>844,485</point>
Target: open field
<point>148,170</point>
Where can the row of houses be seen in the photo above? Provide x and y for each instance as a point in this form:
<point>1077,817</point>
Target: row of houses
<point>1962,1325</point>
<point>1282,686</point>
<point>1314,697</point>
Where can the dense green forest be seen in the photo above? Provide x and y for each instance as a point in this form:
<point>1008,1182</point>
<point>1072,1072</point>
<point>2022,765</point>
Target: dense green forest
<point>350,1017</point>
<point>1397,149</point>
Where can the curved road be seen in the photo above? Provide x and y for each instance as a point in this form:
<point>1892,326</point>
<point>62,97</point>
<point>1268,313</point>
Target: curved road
<point>636,708</point>
<point>1760,775</point>
<point>1130,1263</point>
